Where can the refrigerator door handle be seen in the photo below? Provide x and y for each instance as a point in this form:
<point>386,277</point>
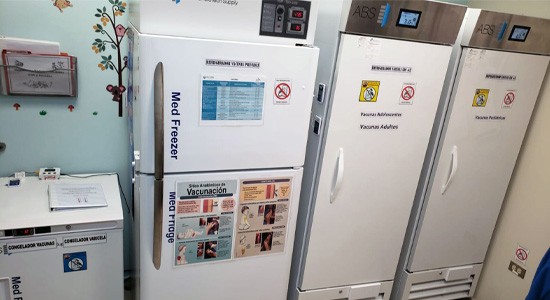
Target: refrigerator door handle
<point>337,181</point>
<point>452,171</point>
<point>159,163</point>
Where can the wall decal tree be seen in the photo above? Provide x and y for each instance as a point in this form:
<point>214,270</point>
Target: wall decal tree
<point>113,40</point>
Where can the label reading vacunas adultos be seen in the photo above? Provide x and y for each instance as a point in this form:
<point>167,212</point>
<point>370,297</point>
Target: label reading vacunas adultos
<point>230,98</point>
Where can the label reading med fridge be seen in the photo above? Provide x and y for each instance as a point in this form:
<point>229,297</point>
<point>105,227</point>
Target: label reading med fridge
<point>204,221</point>
<point>232,100</point>
<point>262,218</point>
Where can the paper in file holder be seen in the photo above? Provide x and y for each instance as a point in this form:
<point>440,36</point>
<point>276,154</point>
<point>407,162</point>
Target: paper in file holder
<point>38,75</point>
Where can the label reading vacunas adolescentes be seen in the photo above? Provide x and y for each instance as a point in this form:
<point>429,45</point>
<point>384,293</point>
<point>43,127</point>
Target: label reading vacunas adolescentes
<point>30,246</point>
<point>232,100</point>
<point>263,216</point>
<point>73,241</point>
<point>204,221</point>
<point>232,63</point>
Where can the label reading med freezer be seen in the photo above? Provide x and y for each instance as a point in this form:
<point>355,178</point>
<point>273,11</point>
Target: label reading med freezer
<point>204,221</point>
<point>231,100</point>
<point>262,219</point>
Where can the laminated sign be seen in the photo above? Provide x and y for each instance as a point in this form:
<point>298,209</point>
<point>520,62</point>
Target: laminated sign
<point>480,98</point>
<point>369,91</point>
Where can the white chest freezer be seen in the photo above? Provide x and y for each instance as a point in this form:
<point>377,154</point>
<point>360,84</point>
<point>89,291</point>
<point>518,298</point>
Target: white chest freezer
<point>500,62</point>
<point>62,254</point>
<point>366,145</point>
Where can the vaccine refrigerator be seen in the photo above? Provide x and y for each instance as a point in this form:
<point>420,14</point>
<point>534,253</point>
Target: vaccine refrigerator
<point>220,101</point>
<point>384,64</point>
<point>499,62</point>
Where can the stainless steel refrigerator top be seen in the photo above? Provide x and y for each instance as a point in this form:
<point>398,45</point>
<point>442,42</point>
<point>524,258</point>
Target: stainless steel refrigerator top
<point>497,69</point>
<point>380,82</point>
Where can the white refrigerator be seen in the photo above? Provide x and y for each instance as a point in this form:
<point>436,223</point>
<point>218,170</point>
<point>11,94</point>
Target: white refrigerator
<point>499,63</point>
<point>220,118</point>
<point>368,137</point>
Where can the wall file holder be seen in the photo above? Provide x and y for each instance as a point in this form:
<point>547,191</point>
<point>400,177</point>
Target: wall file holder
<point>38,75</point>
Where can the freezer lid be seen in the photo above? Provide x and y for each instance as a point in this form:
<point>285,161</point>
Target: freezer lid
<point>501,31</point>
<point>27,206</point>
<point>227,105</point>
<point>423,21</point>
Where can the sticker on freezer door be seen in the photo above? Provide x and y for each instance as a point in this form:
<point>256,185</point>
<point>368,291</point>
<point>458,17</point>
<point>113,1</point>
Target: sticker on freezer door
<point>480,98</point>
<point>369,91</point>
<point>509,99</point>
<point>73,262</point>
<point>232,100</point>
<point>407,93</point>
<point>262,216</point>
<point>521,254</point>
<point>204,221</point>
<point>282,91</point>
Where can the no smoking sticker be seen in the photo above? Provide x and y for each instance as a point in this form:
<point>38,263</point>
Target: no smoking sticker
<point>480,98</point>
<point>407,93</point>
<point>282,91</point>
<point>509,99</point>
<point>522,254</point>
<point>369,91</point>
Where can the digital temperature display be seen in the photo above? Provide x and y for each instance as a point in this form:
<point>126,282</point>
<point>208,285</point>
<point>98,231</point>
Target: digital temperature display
<point>298,14</point>
<point>519,33</point>
<point>296,27</point>
<point>408,18</point>
<point>23,232</point>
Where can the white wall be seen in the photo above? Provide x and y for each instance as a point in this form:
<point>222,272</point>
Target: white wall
<point>525,215</point>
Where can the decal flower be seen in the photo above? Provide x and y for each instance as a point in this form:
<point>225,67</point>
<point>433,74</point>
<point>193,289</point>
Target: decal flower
<point>113,35</point>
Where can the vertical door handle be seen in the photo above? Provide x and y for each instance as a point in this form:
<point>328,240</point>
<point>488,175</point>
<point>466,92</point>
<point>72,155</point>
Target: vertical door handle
<point>339,176</point>
<point>158,107</point>
<point>452,169</point>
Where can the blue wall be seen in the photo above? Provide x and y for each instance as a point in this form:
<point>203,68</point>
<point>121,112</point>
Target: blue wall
<point>78,141</point>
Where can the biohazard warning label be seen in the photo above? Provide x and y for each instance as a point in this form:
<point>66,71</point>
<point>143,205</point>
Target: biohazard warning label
<point>369,91</point>
<point>509,99</point>
<point>407,93</point>
<point>480,98</point>
<point>282,91</point>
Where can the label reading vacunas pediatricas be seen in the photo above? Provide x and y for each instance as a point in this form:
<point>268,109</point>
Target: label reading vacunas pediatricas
<point>90,239</point>
<point>204,221</point>
<point>232,63</point>
<point>232,100</point>
<point>30,246</point>
<point>262,216</point>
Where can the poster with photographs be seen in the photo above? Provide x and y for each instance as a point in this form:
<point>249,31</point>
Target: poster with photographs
<point>204,221</point>
<point>262,216</point>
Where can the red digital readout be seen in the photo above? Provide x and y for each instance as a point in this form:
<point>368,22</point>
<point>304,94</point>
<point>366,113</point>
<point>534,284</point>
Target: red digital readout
<point>296,27</point>
<point>298,14</point>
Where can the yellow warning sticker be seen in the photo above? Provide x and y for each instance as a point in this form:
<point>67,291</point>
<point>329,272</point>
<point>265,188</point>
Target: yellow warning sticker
<point>480,98</point>
<point>369,91</point>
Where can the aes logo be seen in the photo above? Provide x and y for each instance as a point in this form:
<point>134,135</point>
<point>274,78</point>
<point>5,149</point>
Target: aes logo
<point>486,29</point>
<point>363,12</point>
